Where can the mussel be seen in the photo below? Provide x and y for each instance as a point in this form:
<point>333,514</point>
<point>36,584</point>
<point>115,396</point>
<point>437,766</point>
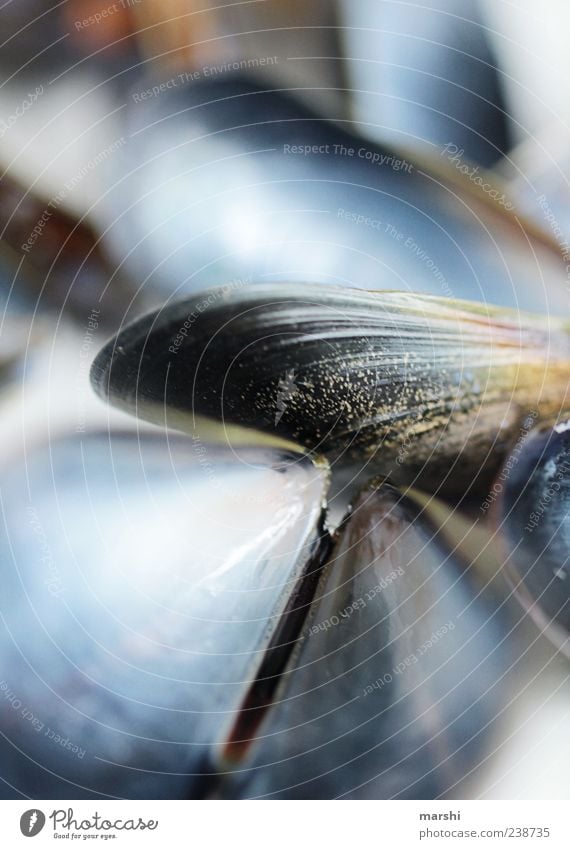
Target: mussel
<point>205,640</point>
<point>533,510</point>
<point>391,383</point>
<point>400,672</point>
<point>224,179</point>
<point>50,261</point>
<point>428,78</point>
<point>399,676</point>
<point>139,599</point>
<point>215,635</point>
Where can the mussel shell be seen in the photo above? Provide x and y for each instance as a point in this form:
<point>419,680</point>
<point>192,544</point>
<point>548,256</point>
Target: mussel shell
<point>144,580</point>
<point>397,384</point>
<point>222,179</point>
<point>534,515</point>
<point>34,35</point>
<point>64,268</point>
<point>395,687</point>
<point>431,75</point>
<point>535,174</point>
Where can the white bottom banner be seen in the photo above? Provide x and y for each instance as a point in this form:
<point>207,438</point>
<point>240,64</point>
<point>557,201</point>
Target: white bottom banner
<point>281,825</point>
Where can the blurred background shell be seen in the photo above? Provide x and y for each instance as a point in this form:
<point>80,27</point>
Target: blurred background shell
<point>534,509</point>
<point>139,598</point>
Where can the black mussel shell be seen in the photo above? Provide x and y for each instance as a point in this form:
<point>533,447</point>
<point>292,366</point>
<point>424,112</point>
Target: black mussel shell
<point>397,683</point>
<point>396,384</point>
<point>534,512</point>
